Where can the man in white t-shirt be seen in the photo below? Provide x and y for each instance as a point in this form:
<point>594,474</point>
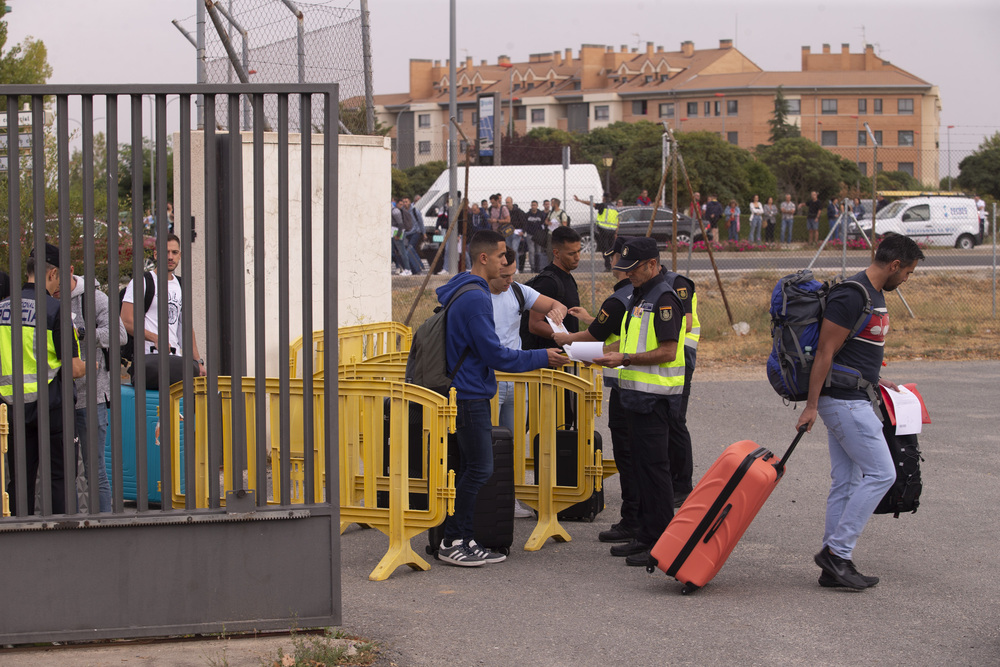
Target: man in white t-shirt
<point>981,213</point>
<point>507,320</point>
<point>151,324</point>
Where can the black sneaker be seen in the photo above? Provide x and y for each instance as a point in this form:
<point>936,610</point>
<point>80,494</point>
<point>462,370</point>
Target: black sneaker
<point>840,570</point>
<point>459,554</point>
<point>615,534</point>
<point>484,553</point>
<point>826,581</point>
<point>640,559</point>
<point>632,547</point>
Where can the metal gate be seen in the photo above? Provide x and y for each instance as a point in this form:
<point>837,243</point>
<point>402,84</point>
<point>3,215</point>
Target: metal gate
<point>150,566</point>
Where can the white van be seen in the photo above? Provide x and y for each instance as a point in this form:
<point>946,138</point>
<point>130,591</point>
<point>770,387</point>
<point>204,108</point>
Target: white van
<point>522,183</point>
<point>933,221</point>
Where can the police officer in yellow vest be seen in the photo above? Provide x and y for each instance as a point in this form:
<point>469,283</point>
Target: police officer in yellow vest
<point>681,460</point>
<point>34,370</point>
<point>606,327</point>
<point>650,355</point>
<point>607,227</point>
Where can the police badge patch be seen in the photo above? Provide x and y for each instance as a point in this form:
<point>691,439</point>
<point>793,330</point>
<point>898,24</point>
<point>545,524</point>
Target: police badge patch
<point>666,312</point>
<point>682,292</point>
<point>602,317</point>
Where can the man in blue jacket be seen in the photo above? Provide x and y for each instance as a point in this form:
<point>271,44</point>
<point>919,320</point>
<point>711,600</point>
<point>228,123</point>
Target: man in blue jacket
<point>471,328</point>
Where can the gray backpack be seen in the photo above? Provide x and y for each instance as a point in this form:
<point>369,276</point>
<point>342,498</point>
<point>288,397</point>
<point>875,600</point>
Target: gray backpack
<point>427,364</point>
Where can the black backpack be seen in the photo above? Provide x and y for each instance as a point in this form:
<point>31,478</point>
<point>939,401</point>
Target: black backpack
<point>148,294</point>
<point>427,363</point>
<point>904,494</point>
<point>530,341</point>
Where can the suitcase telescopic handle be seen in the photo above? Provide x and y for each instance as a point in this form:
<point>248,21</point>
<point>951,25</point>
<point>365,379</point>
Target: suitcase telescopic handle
<point>780,465</point>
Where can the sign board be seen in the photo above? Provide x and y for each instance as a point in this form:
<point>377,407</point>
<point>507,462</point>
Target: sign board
<point>487,125</point>
<point>23,119</point>
<point>23,141</point>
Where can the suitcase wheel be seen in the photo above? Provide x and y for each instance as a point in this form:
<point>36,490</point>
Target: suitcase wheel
<point>689,588</point>
<point>651,564</point>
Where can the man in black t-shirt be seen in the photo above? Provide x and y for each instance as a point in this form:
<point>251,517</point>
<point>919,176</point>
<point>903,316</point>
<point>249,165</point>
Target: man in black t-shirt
<point>537,236</point>
<point>607,327</point>
<point>556,282</point>
<point>861,467</point>
<point>813,208</point>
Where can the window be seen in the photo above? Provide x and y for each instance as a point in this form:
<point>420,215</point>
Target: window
<point>531,85</point>
<point>905,167</point>
<point>829,138</point>
<point>649,78</point>
<point>463,146</point>
<point>639,107</point>
<point>538,115</point>
<point>664,77</point>
<point>475,117</point>
<point>519,113</point>
<point>905,138</point>
<point>862,106</point>
<point>517,87</point>
<point>423,120</point>
<point>461,115</point>
<point>424,147</point>
<point>708,109</point>
<point>667,110</point>
<point>602,112</point>
<point>479,89</point>
<point>732,107</point>
<point>794,107</point>
<point>878,167</point>
<point>576,85</point>
<point>718,108</point>
<point>878,137</point>
<point>733,138</point>
<point>918,213</point>
<point>692,109</point>
<point>829,107</point>
<point>863,168</point>
<point>877,104</point>
<point>862,138</point>
<point>904,106</point>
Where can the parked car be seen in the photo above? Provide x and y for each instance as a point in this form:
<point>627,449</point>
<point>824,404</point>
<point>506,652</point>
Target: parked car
<point>634,221</point>
<point>933,221</point>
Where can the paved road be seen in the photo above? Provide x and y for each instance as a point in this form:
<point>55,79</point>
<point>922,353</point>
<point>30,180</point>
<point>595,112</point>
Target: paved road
<point>980,259</point>
<point>573,604</point>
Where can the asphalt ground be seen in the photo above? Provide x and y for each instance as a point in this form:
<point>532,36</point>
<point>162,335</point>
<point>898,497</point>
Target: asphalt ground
<point>574,604</point>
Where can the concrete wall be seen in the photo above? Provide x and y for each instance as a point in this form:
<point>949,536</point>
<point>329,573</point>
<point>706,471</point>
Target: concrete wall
<point>364,191</point>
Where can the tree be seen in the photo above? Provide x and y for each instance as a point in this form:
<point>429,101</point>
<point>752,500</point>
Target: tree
<point>422,176</point>
<point>637,153</point>
<point>802,166</point>
<point>715,167</point>
<point>780,127</point>
<point>897,180</point>
<point>24,63</point>
<point>400,184</point>
<point>979,173</point>
<point>356,120</point>
<point>543,145</point>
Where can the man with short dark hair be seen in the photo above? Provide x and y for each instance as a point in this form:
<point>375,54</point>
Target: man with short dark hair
<point>813,208</point>
<point>537,236</point>
<point>713,214</point>
<point>861,468</point>
<point>33,370</point>
<point>473,352</point>
<point>555,282</point>
<point>650,354</point>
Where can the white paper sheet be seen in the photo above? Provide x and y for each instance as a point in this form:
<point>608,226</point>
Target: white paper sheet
<point>909,420</point>
<point>585,351</point>
<point>556,328</point>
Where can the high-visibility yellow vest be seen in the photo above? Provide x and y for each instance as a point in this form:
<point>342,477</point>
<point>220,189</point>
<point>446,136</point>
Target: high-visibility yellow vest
<point>30,362</point>
<point>608,218</point>
<point>638,334</point>
<point>624,294</point>
<point>694,335</point>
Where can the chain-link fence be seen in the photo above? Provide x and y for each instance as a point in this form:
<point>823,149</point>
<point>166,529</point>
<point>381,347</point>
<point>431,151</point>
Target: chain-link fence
<point>953,291</point>
<point>271,49</point>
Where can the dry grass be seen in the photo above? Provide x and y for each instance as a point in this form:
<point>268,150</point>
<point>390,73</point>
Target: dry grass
<point>948,324</point>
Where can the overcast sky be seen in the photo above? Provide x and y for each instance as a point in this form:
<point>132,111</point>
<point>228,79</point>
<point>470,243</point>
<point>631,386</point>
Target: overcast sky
<point>954,45</point>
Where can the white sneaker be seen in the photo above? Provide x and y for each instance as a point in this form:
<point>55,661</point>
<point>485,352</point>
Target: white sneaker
<point>442,272</point>
<point>406,272</point>
<point>459,554</point>
<point>522,511</point>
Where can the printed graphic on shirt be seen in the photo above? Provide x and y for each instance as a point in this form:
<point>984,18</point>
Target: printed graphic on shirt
<point>878,326</point>
<point>666,312</point>
<point>682,292</point>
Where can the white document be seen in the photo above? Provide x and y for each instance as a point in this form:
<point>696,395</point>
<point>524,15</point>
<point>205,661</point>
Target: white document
<point>585,351</point>
<point>909,420</point>
<point>556,328</point>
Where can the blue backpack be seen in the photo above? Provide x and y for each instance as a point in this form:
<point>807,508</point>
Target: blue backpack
<point>797,306</point>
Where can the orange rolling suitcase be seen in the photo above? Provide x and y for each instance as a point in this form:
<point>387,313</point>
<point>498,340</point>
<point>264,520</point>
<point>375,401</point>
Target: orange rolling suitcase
<point>714,517</point>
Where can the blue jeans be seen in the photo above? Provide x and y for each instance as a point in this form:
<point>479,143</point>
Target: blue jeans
<point>755,228</point>
<point>506,397</point>
<point>474,433</point>
<point>861,470</point>
<point>786,230</point>
<point>103,485</point>
<point>734,233</point>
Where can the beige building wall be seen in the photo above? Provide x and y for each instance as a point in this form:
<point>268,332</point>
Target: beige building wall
<point>363,193</point>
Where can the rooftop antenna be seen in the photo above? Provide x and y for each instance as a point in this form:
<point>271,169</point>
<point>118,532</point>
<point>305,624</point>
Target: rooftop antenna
<point>638,39</point>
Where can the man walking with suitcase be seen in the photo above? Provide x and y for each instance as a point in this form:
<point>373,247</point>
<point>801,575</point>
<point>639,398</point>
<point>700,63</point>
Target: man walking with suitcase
<point>861,467</point>
<point>651,383</point>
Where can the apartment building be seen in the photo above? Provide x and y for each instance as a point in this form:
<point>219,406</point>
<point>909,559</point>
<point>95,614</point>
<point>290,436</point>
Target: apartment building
<point>717,90</point>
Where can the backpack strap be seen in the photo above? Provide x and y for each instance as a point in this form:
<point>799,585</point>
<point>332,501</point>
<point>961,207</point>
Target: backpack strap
<point>150,293</point>
<point>560,289</point>
<point>519,295</point>
<point>863,319</point>
<point>468,287</point>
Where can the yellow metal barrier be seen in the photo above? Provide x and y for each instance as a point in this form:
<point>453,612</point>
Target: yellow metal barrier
<point>364,405</point>
<point>356,343</point>
<point>4,432</point>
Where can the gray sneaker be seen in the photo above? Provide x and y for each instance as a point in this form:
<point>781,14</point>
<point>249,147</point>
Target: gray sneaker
<point>459,554</point>
<point>485,554</point>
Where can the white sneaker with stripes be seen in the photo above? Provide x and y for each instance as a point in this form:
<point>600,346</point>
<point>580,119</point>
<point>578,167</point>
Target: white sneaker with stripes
<point>459,554</point>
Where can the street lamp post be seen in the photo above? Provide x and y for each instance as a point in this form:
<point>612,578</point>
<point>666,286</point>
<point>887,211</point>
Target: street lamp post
<point>949,157</point>
<point>857,159</point>
<point>510,105</point>
<point>607,161</point>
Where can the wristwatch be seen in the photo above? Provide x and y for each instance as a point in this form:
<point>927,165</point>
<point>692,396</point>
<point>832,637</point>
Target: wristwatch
<point>627,360</point>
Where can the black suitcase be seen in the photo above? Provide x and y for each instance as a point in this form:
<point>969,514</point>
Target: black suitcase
<point>415,454</point>
<point>493,519</point>
<point>566,464</point>
<point>904,494</point>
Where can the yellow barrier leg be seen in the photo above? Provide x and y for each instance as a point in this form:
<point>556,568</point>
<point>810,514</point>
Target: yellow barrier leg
<point>400,553</point>
<point>545,475</point>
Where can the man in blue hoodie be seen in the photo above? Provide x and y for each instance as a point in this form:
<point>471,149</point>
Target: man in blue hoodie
<point>471,327</point>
